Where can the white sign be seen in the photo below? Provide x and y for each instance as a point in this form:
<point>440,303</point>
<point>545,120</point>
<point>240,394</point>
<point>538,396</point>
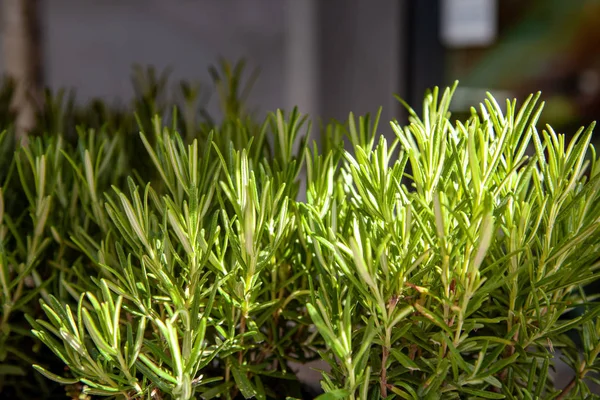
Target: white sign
<point>468,23</point>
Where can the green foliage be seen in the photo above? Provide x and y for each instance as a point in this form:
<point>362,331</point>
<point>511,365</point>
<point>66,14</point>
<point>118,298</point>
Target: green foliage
<point>454,281</point>
<point>180,263</point>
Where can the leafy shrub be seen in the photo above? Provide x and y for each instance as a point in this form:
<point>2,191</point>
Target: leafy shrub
<point>453,284</point>
<point>443,264</point>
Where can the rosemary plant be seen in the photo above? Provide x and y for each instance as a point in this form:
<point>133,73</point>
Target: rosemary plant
<point>454,280</point>
<point>180,263</point>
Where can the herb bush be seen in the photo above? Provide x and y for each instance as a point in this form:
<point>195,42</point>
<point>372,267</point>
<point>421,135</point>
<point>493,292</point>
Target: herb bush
<point>180,263</point>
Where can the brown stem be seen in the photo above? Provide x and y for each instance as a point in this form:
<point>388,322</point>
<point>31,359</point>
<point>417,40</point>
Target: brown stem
<point>384,356</point>
<point>509,352</point>
<point>412,352</point>
<point>567,389</point>
<point>580,375</point>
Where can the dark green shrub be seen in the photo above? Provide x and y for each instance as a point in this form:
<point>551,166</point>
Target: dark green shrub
<point>180,263</point>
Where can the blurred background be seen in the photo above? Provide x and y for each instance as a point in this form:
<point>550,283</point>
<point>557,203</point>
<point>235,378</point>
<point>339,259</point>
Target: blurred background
<point>327,57</point>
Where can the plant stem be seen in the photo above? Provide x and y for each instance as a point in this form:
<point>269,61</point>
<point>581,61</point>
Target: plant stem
<point>242,332</point>
<point>567,389</point>
<point>384,356</point>
<point>228,377</point>
<point>580,375</point>
<point>509,351</point>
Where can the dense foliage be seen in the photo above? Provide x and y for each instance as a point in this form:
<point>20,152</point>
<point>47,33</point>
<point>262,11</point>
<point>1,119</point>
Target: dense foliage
<point>177,255</point>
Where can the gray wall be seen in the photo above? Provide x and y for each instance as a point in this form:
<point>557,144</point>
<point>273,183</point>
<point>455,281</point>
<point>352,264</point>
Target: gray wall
<point>359,57</point>
<point>327,57</point>
<point>92,44</point>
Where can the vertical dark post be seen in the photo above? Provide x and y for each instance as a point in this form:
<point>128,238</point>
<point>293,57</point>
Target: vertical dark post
<point>424,52</point>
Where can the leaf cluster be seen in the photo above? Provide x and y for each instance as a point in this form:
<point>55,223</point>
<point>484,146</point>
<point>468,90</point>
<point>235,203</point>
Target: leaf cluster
<point>452,258</point>
<point>449,262</point>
